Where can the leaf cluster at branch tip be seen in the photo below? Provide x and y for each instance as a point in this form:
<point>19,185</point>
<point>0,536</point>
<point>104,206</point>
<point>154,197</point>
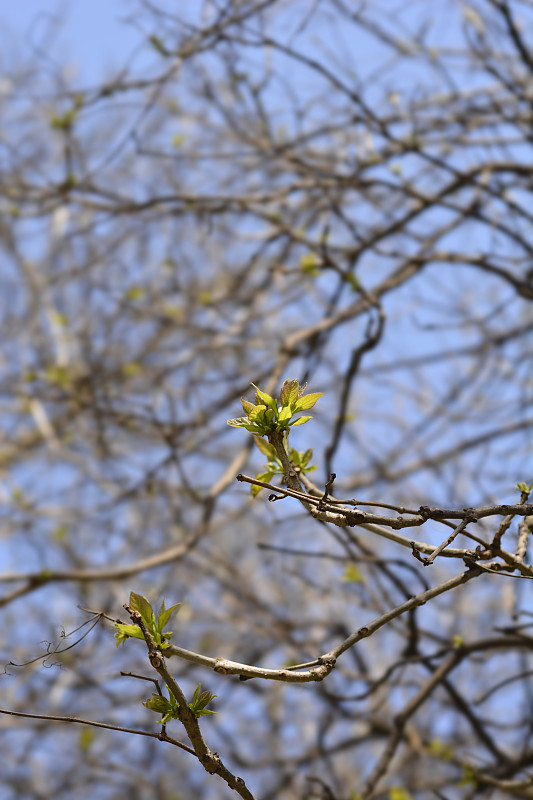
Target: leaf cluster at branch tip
<point>269,415</point>
<point>155,626</point>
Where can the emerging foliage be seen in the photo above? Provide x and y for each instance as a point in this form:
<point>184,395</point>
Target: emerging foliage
<point>154,626</point>
<point>331,189</point>
<point>169,708</point>
<point>267,415</point>
<point>199,702</point>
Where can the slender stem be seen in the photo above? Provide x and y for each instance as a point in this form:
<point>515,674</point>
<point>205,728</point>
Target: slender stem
<point>210,761</point>
<point>93,724</point>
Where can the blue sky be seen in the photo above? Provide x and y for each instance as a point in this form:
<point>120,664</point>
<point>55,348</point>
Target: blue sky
<point>90,35</point>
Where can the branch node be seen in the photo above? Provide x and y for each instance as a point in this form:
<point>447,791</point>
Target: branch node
<point>416,553</point>
<point>156,659</point>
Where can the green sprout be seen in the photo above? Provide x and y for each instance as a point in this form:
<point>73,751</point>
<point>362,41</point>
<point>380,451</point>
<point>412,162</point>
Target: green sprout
<point>268,415</point>
<point>153,625</point>
<point>273,418</point>
<point>170,708</point>
<point>199,702</point>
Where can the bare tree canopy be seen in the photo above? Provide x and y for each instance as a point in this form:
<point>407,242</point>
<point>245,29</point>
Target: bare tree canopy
<point>331,200</point>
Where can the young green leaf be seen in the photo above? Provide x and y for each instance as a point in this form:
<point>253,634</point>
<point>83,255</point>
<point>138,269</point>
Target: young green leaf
<point>266,448</point>
<point>257,413</point>
<point>265,398</point>
<point>289,392</point>
<point>200,701</point>
<point>352,574</point>
<point>300,421</point>
<point>398,793</point>
<point>469,777</point>
<point>164,615</point>
<point>159,704</point>
<point>306,457</point>
<point>285,414</point>
<point>238,422</point>
<point>307,401</point>
<point>244,422</point>
<point>158,45</point>
<point>124,632</point>
<point>141,604</point>
<point>266,477</point>
<point>247,406</point>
